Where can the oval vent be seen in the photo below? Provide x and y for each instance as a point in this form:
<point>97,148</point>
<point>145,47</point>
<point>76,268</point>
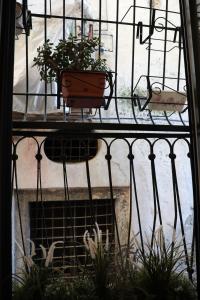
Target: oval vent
<point>59,149</point>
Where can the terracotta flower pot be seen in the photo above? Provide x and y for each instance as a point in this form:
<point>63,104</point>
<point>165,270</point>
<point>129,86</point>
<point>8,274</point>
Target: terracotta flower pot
<point>83,89</point>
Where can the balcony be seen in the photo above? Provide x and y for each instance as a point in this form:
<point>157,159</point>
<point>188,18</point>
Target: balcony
<point>143,46</point>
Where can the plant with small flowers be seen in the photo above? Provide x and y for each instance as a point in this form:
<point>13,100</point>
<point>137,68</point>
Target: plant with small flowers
<point>101,260</point>
<point>35,280</point>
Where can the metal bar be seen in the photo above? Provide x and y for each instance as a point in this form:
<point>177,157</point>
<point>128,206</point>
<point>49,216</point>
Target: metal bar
<point>192,63</point>
<point>179,66</point>
<point>17,199</point>
<point>178,207</point>
<point>156,202</point>
<point>68,207</point>
<point>82,19</point>
<point>108,157</point>
<point>40,191</point>
<point>100,13</point>
<point>120,135</point>
<point>149,42</point>
<point>155,187</point>
<point>39,188</point>
<point>165,46</point>
<point>27,78</point>
<point>130,157</point>
<point>97,126</point>
<point>100,116</point>
<point>150,119</point>
<point>116,56</point>
<point>7,38</point>
<point>64,19</point>
<point>90,193</point>
<point>133,61</point>
<point>47,16</point>
<point>192,254</point>
<point>45,39</point>
<point>137,204</point>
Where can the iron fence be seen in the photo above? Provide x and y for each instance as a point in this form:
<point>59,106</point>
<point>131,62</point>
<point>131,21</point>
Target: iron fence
<point>147,179</point>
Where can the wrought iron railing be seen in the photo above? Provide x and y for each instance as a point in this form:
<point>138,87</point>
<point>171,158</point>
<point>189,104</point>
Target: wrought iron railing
<point>147,178</point>
<point>143,47</point>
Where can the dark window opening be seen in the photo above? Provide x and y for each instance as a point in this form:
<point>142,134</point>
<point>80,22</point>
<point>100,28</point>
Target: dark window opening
<point>60,149</point>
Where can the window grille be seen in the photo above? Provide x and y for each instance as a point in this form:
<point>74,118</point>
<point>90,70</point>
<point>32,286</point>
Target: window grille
<point>67,221</point>
<point>62,149</point>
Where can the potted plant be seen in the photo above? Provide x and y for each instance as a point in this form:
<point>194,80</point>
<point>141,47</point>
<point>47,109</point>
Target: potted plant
<point>80,76</point>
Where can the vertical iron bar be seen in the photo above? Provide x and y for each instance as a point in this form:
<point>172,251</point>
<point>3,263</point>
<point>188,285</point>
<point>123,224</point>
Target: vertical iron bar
<point>192,251</point>
<point>18,204</point>
<point>38,157</point>
<point>165,45</point>
<point>90,192</point>
<point>155,188</point>
<point>191,44</point>
<point>67,205</point>
<point>82,22</point>
<point>45,39</point>
<point>133,62</point>
<point>100,117</point>
<point>179,67</point>
<point>39,180</point>
<point>66,198</point>
<point>151,158</point>
<point>38,175</point>
<point>130,157</point>
<point>149,51</point>
<point>100,6</point>
<point>7,38</point>
<point>108,157</point>
<point>149,46</point>
<point>192,260</point>
<point>173,157</point>
<point>174,192</point>
<point>27,78</point>
<point>64,20</point>
<point>116,58</point>
<point>137,204</point>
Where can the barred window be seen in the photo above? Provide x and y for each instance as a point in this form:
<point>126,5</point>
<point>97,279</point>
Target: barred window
<point>67,221</point>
